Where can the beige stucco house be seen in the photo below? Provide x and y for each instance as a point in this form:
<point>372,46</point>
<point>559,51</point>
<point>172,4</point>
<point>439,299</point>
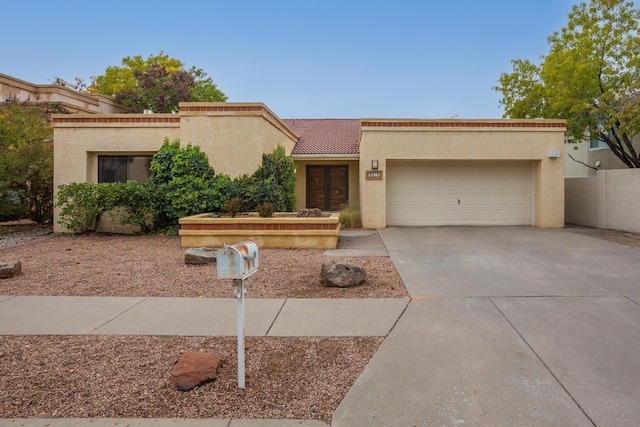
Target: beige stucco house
<point>398,171</point>
<point>585,158</point>
<point>60,99</point>
<point>600,190</point>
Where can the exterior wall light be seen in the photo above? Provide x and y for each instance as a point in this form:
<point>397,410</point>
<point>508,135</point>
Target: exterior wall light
<point>374,164</point>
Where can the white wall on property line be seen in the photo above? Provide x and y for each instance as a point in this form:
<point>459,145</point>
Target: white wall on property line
<point>609,200</point>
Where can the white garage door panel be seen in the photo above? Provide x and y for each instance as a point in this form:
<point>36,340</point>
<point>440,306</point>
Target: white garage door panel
<point>457,194</point>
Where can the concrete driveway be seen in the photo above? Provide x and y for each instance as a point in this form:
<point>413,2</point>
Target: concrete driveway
<point>507,326</point>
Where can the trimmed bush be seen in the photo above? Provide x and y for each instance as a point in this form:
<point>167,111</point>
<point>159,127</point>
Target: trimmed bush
<point>184,184</point>
<point>84,203</point>
<point>232,206</point>
<point>181,184</point>
<point>265,210</point>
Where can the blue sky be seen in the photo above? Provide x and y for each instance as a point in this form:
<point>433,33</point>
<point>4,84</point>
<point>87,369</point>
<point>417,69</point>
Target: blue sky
<point>302,58</point>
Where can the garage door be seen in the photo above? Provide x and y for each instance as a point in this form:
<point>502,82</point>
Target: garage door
<point>421,193</point>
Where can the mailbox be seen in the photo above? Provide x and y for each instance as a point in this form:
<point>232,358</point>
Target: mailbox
<point>237,261</point>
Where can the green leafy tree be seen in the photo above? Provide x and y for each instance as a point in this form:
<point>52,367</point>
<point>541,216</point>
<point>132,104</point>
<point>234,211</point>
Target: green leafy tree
<point>203,89</point>
<point>116,79</point>
<point>26,163</point>
<point>590,77</point>
<point>158,83</point>
<point>158,90</point>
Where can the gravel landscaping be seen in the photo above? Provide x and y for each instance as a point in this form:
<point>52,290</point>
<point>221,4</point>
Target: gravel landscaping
<point>128,377</point>
<point>124,376</point>
<point>153,266</point>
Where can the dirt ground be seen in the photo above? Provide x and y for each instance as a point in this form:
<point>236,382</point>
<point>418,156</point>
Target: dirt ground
<point>128,377</point>
<point>614,236</point>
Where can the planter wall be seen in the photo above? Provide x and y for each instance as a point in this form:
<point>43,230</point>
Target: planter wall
<point>280,231</point>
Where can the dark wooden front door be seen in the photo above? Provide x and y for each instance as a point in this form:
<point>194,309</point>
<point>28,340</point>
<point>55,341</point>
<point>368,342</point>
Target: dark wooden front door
<point>327,187</point>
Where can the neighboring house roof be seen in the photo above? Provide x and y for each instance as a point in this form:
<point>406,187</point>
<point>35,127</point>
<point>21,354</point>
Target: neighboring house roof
<point>56,97</point>
<point>326,136</point>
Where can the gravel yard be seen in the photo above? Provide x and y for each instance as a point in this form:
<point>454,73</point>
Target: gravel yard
<point>123,376</point>
<point>153,266</point>
<point>128,377</point>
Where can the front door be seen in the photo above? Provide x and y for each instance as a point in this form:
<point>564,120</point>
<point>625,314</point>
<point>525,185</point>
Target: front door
<point>327,187</point>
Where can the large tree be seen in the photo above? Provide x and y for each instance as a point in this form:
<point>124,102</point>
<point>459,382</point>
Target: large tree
<point>590,77</point>
<point>157,83</point>
<point>26,163</point>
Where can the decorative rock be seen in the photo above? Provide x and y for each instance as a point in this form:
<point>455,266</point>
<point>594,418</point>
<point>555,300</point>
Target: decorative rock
<point>194,369</point>
<point>10,269</point>
<point>200,256</point>
<point>310,213</point>
<point>342,275</point>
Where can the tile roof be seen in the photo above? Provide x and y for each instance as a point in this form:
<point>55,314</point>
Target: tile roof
<point>326,136</point>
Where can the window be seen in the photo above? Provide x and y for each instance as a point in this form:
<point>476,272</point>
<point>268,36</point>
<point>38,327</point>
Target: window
<point>123,168</point>
<point>597,144</point>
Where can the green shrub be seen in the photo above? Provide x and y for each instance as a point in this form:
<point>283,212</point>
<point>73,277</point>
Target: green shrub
<point>83,204</point>
<point>350,217</point>
<point>232,206</point>
<point>265,209</point>
<point>137,202</point>
<point>181,184</point>
<point>274,182</point>
<point>12,205</point>
<point>26,163</point>
<point>184,184</point>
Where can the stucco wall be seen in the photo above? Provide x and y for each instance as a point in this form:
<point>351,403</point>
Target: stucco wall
<point>475,140</point>
<point>234,136</point>
<point>79,139</point>
<point>581,201</point>
<point>301,179</point>
<point>581,151</point>
<point>611,200</point>
<point>607,159</point>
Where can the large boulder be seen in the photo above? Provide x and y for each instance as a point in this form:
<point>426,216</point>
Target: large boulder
<point>194,369</point>
<point>342,274</point>
<point>10,269</point>
<point>200,256</point>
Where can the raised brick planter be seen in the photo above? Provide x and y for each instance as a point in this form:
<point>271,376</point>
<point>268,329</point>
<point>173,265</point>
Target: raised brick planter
<point>283,230</point>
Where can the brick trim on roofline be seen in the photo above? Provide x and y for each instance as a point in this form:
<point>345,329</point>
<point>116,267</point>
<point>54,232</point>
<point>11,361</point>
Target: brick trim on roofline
<point>192,107</point>
<point>463,124</point>
<point>216,108</point>
<point>148,118</point>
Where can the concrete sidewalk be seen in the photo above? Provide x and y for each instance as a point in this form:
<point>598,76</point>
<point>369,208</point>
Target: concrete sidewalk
<point>197,316</point>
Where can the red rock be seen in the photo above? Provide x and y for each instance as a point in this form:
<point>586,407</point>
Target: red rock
<point>194,369</point>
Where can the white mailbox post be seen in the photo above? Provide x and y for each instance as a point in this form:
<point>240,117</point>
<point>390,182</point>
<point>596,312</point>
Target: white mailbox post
<point>238,262</point>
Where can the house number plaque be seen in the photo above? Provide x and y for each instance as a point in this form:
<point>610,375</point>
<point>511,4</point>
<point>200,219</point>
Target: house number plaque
<point>374,174</point>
